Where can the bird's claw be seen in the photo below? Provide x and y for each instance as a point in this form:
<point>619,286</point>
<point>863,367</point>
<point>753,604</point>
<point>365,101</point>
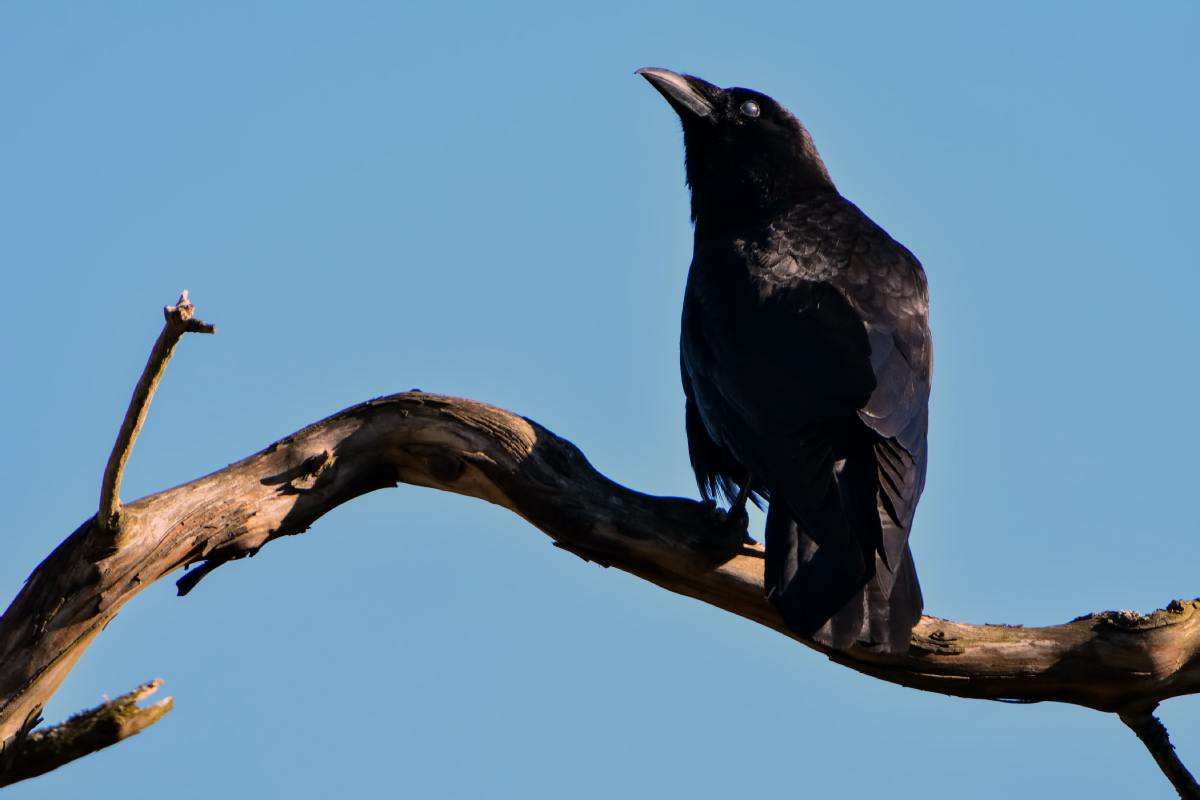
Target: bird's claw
<point>739,521</point>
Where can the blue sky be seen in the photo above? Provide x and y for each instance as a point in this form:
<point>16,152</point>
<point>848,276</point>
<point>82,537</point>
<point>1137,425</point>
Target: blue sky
<point>484,201</point>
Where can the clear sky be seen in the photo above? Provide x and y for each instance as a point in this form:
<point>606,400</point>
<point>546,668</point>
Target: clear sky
<point>483,200</point>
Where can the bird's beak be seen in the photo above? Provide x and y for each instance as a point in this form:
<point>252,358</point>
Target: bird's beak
<point>689,96</point>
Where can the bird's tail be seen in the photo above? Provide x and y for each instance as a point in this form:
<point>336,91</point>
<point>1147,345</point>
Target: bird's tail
<point>836,596</point>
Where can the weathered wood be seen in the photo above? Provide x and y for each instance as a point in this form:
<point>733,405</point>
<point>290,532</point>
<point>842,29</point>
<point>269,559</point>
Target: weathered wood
<point>1153,734</point>
<point>1112,661</point>
<point>82,734</point>
<point>178,320</point>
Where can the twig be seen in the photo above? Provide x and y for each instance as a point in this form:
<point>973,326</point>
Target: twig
<point>84,733</point>
<point>1154,735</point>
<point>179,320</point>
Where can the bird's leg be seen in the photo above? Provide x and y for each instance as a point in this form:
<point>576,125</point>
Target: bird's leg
<point>738,509</point>
<point>735,516</point>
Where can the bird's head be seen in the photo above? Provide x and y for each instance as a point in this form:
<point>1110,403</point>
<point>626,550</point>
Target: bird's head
<point>745,154</point>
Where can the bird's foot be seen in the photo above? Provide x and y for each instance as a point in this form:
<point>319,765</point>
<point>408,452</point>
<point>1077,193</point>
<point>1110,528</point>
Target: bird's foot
<point>737,520</point>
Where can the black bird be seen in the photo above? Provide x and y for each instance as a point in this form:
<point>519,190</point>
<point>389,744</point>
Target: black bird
<point>806,360</point>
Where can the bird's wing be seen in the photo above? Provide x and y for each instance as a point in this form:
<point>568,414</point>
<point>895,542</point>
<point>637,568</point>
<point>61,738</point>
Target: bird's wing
<point>886,286</point>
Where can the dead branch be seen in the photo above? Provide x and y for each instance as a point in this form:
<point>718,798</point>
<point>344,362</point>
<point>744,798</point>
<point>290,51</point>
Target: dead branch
<point>1154,735</point>
<point>180,319</point>
<point>1111,661</point>
<point>84,733</point>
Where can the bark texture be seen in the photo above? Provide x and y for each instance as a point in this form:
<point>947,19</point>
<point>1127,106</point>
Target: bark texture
<point>84,733</point>
<point>1112,661</point>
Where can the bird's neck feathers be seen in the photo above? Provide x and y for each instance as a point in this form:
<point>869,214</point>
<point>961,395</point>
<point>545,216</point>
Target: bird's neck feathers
<point>756,185</point>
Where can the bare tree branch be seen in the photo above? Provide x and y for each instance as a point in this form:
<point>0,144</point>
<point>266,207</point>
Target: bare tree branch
<point>179,320</point>
<point>84,733</point>
<point>1110,661</point>
<point>1154,735</point>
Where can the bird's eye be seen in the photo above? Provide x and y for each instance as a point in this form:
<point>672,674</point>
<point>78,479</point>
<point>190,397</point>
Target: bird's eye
<point>750,109</point>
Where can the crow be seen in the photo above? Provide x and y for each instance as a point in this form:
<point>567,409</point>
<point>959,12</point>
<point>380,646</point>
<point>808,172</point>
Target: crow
<point>806,360</point>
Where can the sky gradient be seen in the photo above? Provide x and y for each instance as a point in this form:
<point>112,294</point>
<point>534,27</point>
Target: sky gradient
<point>367,197</point>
